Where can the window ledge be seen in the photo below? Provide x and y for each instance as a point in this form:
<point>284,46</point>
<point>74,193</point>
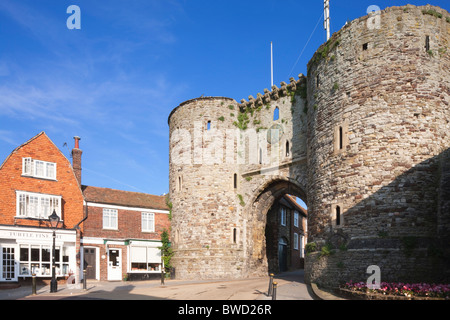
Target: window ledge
<point>40,178</point>
<point>36,219</point>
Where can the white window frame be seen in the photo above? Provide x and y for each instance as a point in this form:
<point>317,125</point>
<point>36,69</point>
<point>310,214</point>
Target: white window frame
<point>32,205</point>
<point>302,245</point>
<point>30,168</point>
<point>110,219</point>
<point>283,216</point>
<point>147,222</point>
<point>40,267</point>
<point>152,265</point>
<point>295,241</point>
<point>296,218</point>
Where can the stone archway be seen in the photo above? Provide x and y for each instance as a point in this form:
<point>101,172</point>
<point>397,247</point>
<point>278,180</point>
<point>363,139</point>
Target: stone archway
<point>261,203</point>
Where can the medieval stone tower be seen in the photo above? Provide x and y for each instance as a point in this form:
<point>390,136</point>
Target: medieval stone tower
<point>363,139</point>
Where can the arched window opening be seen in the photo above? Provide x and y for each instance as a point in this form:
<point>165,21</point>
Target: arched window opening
<point>341,139</point>
<point>235,181</point>
<point>276,114</point>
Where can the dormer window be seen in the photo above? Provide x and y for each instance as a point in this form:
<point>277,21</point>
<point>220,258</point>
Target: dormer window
<point>38,169</point>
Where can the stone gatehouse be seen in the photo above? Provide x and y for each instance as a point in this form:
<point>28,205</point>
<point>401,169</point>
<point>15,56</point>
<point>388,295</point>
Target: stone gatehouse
<point>363,139</point>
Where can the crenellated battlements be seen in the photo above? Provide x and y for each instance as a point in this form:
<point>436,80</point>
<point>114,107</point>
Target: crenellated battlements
<point>276,93</point>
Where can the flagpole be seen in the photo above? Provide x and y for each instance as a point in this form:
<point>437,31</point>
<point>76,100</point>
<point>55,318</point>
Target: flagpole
<point>271,64</point>
<point>326,4</point>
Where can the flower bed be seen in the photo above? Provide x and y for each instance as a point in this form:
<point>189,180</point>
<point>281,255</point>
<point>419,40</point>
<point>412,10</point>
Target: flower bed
<point>400,290</point>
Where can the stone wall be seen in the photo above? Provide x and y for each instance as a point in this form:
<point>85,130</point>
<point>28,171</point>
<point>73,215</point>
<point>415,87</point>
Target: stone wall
<point>388,96</point>
<point>220,165</point>
<point>368,136</point>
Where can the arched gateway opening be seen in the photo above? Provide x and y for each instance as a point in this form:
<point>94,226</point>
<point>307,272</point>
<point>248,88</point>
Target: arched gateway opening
<point>275,244</point>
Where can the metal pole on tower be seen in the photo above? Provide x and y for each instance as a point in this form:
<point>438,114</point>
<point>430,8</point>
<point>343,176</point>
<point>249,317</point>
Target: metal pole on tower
<point>326,4</point>
<point>271,64</point>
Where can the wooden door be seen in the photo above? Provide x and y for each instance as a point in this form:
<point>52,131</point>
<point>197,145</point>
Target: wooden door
<point>90,262</point>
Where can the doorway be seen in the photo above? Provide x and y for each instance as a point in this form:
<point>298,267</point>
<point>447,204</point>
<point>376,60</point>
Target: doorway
<point>114,264</point>
<point>282,255</point>
<point>90,263</point>
<point>8,264</point>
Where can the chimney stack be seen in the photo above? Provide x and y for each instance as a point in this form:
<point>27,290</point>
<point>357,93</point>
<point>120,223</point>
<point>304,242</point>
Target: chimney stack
<point>76,159</point>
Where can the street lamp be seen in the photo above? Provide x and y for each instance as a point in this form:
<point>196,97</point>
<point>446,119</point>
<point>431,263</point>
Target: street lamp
<point>54,220</point>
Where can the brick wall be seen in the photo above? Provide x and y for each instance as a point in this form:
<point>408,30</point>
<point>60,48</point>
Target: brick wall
<point>66,185</point>
<point>129,225</point>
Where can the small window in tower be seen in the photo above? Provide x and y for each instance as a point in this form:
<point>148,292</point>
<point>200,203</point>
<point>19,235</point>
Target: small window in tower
<point>276,114</point>
<point>341,140</point>
<point>260,156</point>
<point>234,235</point>
<point>365,46</point>
<point>338,215</point>
<point>427,43</point>
<point>318,81</point>
<point>235,181</point>
<point>208,125</point>
<point>287,148</point>
<point>179,183</point>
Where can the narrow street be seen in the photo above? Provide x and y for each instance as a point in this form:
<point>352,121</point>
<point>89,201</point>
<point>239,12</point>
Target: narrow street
<point>290,287</point>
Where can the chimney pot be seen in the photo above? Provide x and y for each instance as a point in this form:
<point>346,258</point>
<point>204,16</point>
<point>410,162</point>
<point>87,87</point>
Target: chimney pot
<point>77,142</point>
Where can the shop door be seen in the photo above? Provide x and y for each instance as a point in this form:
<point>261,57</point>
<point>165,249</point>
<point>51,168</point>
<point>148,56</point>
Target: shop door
<point>90,263</point>
<point>114,265</point>
<point>8,264</point>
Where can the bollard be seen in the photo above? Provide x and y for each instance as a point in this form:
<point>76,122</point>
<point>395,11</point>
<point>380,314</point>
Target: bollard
<point>269,291</point>
<point>84,280</point>
<point>274,294</point>
<point>33,284</point>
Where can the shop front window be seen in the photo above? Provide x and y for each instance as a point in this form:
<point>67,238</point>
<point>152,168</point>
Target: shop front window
<point>37,259</point>
<point>145,259</point>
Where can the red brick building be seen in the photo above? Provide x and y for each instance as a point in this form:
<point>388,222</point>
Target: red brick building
<point>111,232</point>
<point>286,233</point>
<point>122,234</point>
<point>36,179</point>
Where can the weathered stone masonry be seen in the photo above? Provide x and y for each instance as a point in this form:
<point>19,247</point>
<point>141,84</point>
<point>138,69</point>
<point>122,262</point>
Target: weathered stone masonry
<point>368,135</point>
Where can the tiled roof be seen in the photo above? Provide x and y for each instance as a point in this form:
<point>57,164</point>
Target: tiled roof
<point>124,198</point>
<point>298,207</point>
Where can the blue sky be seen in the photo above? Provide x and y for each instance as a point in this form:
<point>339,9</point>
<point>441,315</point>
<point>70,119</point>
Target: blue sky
<point>115,81</point>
